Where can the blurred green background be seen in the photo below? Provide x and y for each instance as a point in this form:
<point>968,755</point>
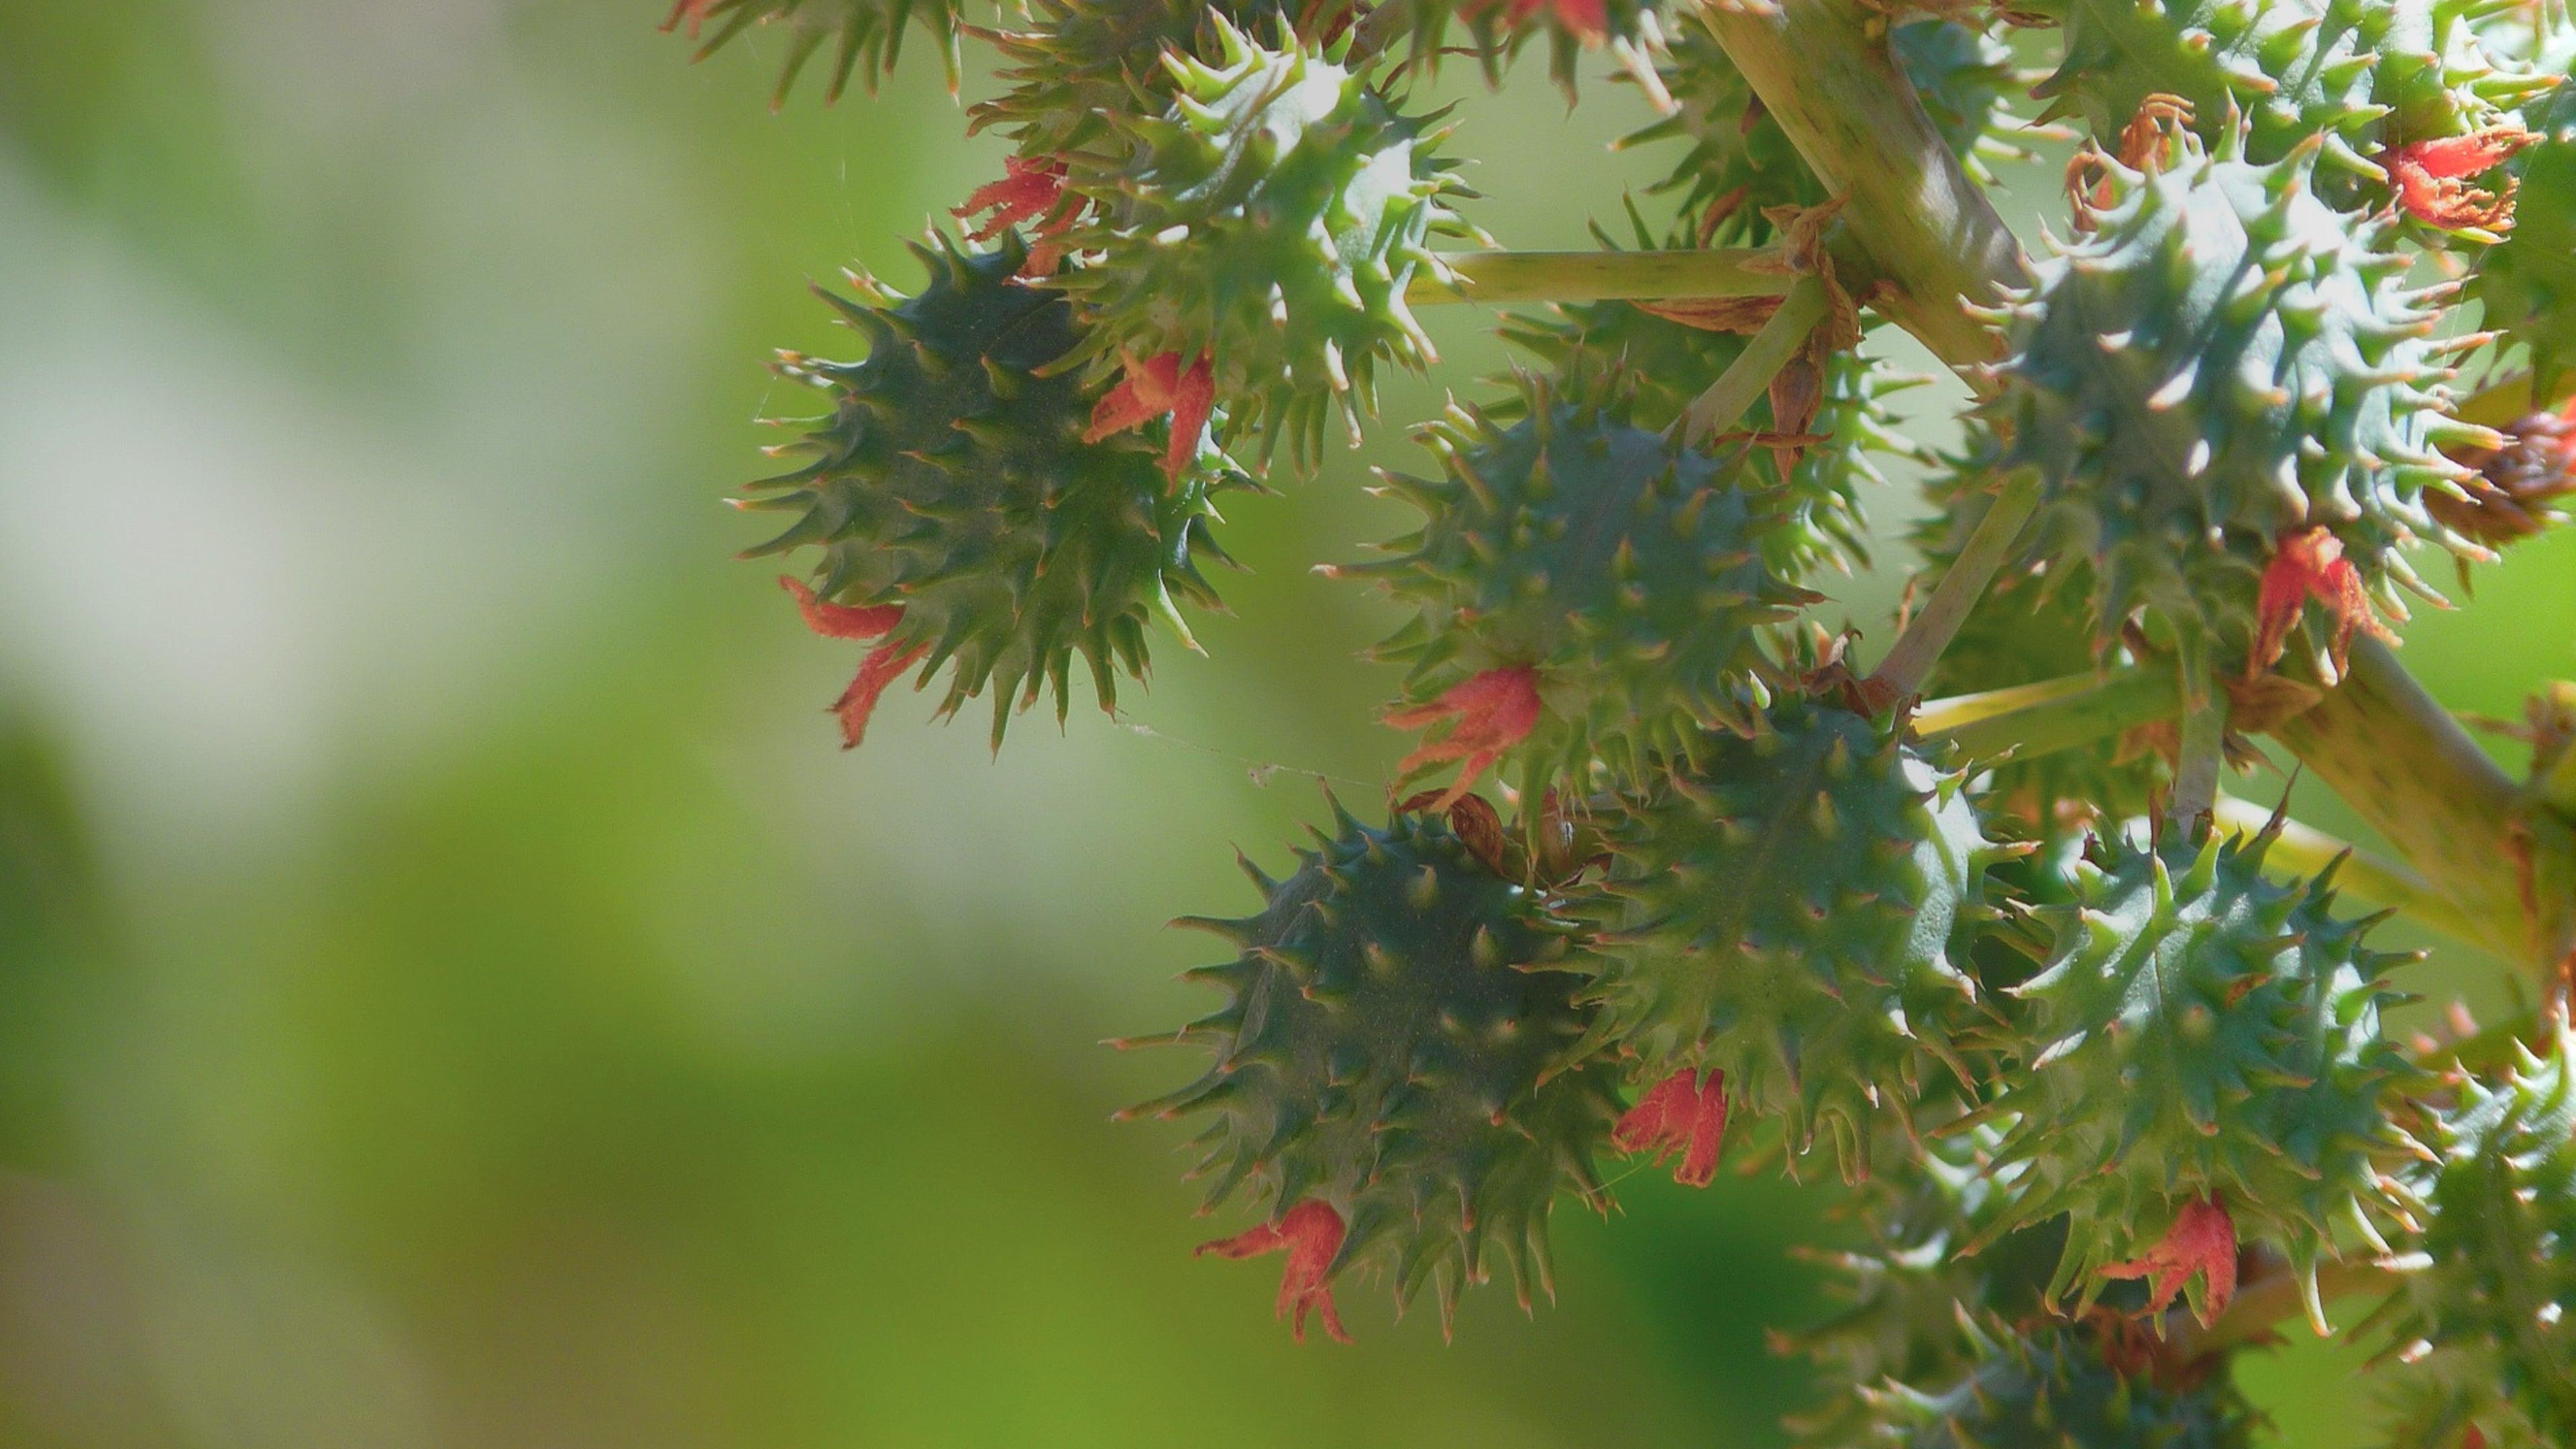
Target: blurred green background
<point>452,989</point>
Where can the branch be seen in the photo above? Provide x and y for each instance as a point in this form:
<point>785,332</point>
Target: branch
<point>1929,632</point>
<point>2305,851</point>
<point>2202,755</point>
<point>1824,73</point>
<point>1726,400</point>
<point>2397,758</point>
<point>2057,714</point>
<point>1517,276</point>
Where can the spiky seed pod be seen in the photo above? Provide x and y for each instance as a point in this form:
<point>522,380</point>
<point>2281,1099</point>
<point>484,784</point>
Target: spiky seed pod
<point>951,480</point>
<point>1741,163</point>
<point>865,36</point>
<point>2359,74</point>
<point>2202,1045</point>
<point>1900,1290</point>
<point>1796,906</point>
<point>1269,222</point>
<point>2486,1322</point>
<point>2223,360</point>
<point>2058,1388</point>
<point>2030,625</point>
<point>1401,1044</point>
<point>1621,567</point>
<point>1077,63</point>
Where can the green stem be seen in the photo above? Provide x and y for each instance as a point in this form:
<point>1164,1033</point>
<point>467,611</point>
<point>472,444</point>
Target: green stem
<point>1823,71</point>
<point>2399,760</point>
<point>2055,714</point>
<point>2203,753</point>
<point>1493,278</point>
<point>1746,378</point>
<point>2304,851</point>
<point>1932,628</point>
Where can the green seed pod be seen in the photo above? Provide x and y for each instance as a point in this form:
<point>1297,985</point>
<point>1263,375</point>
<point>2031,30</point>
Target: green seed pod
<point>1797,908</point>
<point>2199,1036</point>
<point>1899,1293</point>
<point>1270,221</point>
<point>1401,1044</point>
<point>865,36</point>
<point>1621,567</point>
<point>2224,360</point>
<point>2485,1325</point>
<point>2057,1388</point>
<point>952,480</point>
<point>2359,74</point>
<point>1741,163</point>
<point>1077,63</point>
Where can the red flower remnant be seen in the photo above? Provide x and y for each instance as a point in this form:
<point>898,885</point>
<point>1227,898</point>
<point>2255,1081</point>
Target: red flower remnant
<point>1028,189</point>
<point>1151,389</point>
<point>1494,711</point>
<point>2427,176</point>
<point>1589,19</point>
<point>2203,1241</point>
<point>1312,1233</point>
<point>884,665</point>
<point>2310,565</point>
<point>1684,1113</point>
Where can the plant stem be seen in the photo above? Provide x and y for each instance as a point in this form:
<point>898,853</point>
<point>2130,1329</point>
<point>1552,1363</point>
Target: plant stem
<point>1750,374</point>
<point>1823,71</point>
<point>1517,276</point>
<point>2304,851</point>
<point>2399,759</point>
<point>1930,631</point>
<point>2203,753</point>
<point>2055,714</point>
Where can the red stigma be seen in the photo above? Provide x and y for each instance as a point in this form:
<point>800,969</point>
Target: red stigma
<point>1311,1232</point>
<point>1028,190</point>
<point>883,665</point>
<point>1154,388</point>
<point>2310,565</point>
<point>2202,1241</point>
<point>1493,712</point>
<point>2428,177</point>
<point>1684,1113</point>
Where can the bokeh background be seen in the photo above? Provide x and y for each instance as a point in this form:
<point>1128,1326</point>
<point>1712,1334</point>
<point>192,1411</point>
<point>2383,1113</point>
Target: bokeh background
<point>453,991</point>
